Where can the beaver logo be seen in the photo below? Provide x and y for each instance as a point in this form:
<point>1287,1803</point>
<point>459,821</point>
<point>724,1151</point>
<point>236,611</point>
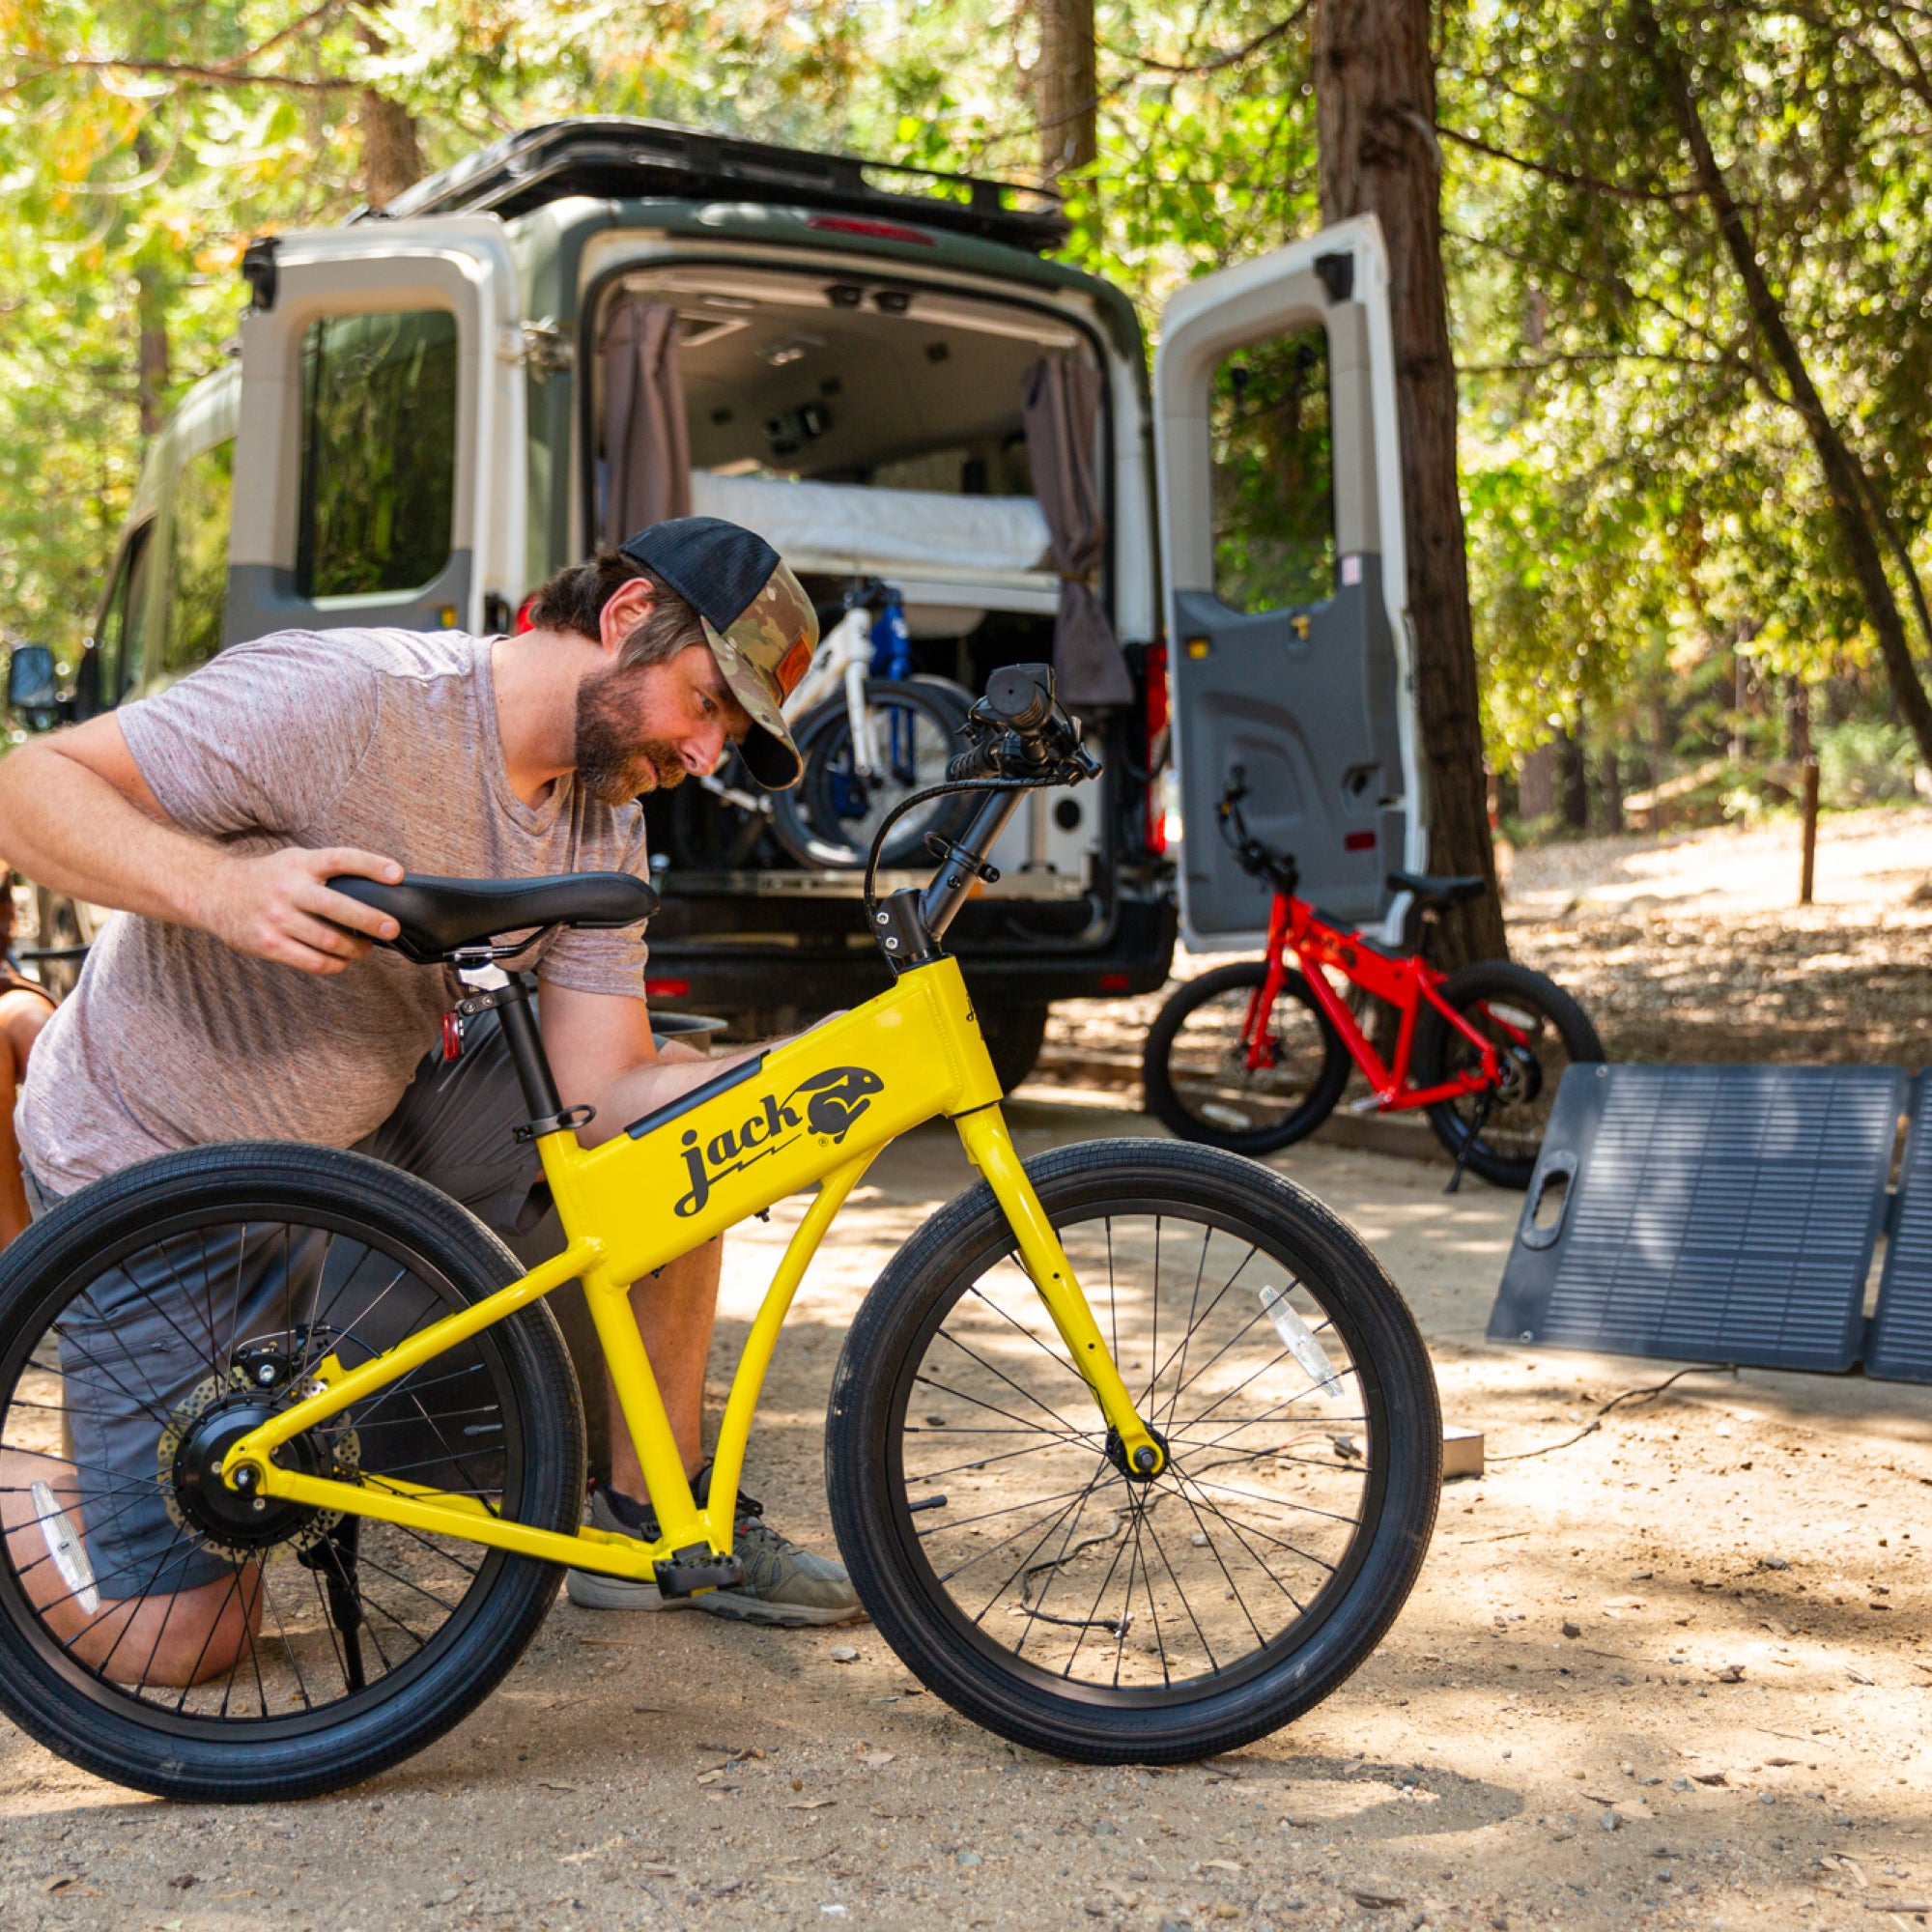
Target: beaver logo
<point>838,1098</point>
<point>831,1101</point>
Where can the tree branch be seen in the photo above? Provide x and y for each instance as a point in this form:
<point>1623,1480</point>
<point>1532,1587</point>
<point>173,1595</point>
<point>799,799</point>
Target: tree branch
<point>1560,356</point>
<point>191,73</point>
<point>1569,176</point>
<point>1216,63</point>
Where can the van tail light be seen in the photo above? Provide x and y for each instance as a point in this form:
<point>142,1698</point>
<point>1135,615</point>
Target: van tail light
<point>523,614</point>
<point>876,231</point>
<point>1359,841</point>
<point>668,989</point>
<point>1154,749</point>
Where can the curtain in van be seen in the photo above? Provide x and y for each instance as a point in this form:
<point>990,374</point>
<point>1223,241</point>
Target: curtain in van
<point>1062,405</point>
<point>646,442</point>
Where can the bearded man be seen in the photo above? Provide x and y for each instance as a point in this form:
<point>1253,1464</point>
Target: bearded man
<point>237,997</point>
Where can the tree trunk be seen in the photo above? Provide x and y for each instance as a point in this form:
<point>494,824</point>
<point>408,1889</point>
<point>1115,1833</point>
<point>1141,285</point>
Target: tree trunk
<point>1536,785</point>
<point>1067,87</point>
<point>1576,780</point>
<point>391,154</point>
<point>1845,481</point>
<point>1374,97</point>
<point>151,313</point>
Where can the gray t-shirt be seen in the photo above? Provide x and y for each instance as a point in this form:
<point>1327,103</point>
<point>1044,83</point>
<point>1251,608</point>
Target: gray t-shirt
<point>384,740</point>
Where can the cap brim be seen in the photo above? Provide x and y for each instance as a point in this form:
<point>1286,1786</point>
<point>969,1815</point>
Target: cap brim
<point>768,751</point>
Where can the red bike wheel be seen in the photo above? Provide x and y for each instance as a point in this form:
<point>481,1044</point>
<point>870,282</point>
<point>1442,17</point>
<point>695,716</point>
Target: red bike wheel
<point>1197,1072</point>
<point>1537,1030</point>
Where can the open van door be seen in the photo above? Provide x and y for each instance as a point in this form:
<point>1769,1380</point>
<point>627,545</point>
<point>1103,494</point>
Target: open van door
<point>1282,553</point>
<point>380,460</point>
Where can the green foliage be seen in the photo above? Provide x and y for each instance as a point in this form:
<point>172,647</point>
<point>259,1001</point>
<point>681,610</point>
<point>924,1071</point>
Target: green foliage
<point>1643,504</point>
<point>1644,498</point>
<point>1865,761</point>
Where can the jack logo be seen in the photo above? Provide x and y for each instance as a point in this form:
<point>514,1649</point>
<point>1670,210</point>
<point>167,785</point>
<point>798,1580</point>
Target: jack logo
<point>825,1105</point>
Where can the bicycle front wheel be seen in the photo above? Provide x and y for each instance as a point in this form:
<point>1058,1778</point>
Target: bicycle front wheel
<point>164,1630</point>
<point>993,1531</point>
<point>1196,1073</point>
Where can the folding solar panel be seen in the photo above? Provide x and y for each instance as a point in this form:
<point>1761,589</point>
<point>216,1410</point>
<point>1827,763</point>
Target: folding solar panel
<point>1901,1340</point>
<point>1709,1213</point>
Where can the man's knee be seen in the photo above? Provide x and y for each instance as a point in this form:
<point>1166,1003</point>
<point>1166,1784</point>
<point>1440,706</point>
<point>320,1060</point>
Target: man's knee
<point>173,1642</point>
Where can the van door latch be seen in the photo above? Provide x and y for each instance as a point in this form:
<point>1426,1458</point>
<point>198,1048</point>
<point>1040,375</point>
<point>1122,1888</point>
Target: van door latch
<point>543,346</point>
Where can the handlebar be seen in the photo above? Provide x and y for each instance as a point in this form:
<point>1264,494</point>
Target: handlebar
<point>1018,731</point>
<point>1257,860</point>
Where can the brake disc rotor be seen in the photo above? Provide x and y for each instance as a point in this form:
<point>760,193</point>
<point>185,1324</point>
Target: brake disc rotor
<point>210,1420</point>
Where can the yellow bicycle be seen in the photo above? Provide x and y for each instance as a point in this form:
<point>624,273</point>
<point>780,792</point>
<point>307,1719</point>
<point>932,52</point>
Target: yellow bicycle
<point>1133,1450</point>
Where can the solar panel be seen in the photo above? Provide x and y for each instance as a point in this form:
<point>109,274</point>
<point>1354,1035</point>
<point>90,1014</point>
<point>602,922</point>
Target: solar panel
<point>1708,1213</point>
<point>1901,1342</point>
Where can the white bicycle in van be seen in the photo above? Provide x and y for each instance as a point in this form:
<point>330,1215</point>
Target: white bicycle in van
<point>871,731</point>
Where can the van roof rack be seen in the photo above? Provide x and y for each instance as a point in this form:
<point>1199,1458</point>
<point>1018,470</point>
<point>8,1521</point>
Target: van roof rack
<point>624,158</point>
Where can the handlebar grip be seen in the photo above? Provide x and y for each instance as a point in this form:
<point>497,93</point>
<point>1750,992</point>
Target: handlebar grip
<point>1021,695</point>
<point>976,761</point>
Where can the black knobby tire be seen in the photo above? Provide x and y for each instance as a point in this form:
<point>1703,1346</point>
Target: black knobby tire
<point>471,1611</point>
<point>909,1551</point>
<point>827,820</point>
<point>1559,1035</point>
<point>1192,1069</point>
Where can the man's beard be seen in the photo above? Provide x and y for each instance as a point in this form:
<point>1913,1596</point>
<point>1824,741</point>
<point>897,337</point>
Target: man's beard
<point>614,762</point>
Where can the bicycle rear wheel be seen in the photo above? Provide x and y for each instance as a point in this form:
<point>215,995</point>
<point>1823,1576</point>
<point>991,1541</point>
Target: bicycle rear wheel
<point>1538,1031</point>
<point>1195,1067</point>
<point>156,1626</point>
<point>992,1529</point>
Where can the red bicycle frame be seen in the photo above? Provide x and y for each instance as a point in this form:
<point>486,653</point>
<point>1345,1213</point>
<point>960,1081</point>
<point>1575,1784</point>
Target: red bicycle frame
<point>1403,981</point>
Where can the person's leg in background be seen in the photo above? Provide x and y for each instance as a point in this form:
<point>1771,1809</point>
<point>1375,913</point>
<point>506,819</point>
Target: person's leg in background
<point>25,1008</point>
<point>453,1129</point>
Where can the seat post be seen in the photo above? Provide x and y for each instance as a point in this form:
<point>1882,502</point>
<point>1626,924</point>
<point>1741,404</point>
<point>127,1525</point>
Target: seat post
<point>510,996</point>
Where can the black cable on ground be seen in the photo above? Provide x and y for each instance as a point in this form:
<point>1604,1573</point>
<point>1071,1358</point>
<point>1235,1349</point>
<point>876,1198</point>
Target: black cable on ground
<point>1596,1422</point>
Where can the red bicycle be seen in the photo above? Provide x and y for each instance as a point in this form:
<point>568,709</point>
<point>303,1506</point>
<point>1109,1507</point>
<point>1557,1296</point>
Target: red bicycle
<point>1253,1057</point>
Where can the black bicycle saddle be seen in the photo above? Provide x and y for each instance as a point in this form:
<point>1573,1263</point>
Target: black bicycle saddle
<point>440,916</point>
<point>1436,892</point>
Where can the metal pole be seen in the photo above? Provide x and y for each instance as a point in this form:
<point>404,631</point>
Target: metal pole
<point>1807,867</point>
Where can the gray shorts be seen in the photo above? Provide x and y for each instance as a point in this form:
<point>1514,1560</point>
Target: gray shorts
<point>134,1347</point>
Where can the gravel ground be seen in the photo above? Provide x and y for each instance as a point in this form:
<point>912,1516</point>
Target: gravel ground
<point>1735,1735</point>
<point>1674,1674</point>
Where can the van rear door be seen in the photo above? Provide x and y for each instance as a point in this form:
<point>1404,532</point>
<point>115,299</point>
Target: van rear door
<point>1282,551</point>
<point>380,464</point>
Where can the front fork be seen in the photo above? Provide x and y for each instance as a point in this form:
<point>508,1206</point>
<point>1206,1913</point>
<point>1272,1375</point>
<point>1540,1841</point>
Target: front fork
<point>989,1147</point>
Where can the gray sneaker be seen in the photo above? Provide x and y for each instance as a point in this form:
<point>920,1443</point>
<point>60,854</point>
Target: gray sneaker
<point>784,1585</point>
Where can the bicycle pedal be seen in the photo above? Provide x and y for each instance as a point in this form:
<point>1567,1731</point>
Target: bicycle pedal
<point>696,1569</point>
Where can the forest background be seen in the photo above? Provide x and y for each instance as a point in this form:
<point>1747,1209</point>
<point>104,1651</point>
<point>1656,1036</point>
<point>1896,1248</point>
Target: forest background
<point>1688,252</point>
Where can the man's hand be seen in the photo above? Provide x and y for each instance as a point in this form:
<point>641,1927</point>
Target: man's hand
<point>277,905</point>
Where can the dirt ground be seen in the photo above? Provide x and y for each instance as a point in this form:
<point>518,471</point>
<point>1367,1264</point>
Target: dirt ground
<point>1675,1673</point>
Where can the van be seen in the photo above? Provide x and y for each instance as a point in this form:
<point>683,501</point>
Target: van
<point>431,408</point>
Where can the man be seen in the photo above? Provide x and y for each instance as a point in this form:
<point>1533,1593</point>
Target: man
<point>239,998</point>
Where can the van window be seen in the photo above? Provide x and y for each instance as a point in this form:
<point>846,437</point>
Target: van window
<point>203,498</point>
<point>1274,477</point>
<point>378,453</point>
<point>117,650</point>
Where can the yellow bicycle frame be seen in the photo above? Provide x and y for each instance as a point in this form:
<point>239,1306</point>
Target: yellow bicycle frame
<point>814,1110</point>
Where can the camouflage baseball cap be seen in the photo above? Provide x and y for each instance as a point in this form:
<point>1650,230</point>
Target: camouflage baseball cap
<point>757,620</point>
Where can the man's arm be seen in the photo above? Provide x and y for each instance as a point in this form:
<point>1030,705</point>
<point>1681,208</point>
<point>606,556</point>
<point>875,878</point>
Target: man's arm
<point>601,1050</point>
<point>76,815</point>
